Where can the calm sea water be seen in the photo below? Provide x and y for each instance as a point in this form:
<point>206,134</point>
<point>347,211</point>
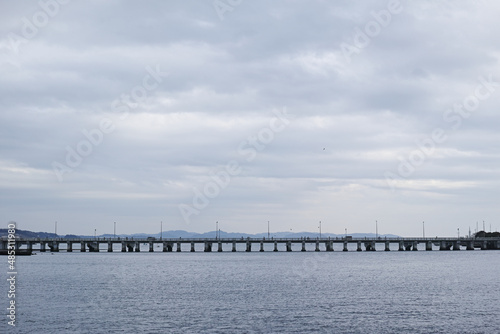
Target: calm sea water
<point>335,292</point>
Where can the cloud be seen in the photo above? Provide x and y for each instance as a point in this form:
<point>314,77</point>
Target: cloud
<point>350,122</point>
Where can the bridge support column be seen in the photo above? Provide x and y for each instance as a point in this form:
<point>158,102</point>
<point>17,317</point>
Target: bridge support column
<point>317,247</point>
<point>470,245</point>
<point>415,246</point>
<point>110,246</point>
<point>303,246</point>
<point>261,246</point>
<point>387,248</point>
<point>208,247</point>
<point>124,247</point>
<point>151,247</point>
<point>219,247</point>
<point>192,247</point>
<point>443,246</point>
<point>69,246</point>
<point>275,246</point>
<point>54,246</point>
<point>42,247</point>
<point>358,249</point>
<point>329,246</point>
<point>234,247</point>
<point>130,247</point>
<point>456,246</point>
<point>370,246</point>
<point>401,246</point>
<point>428,246</point>
<point>137,246</point>
<point>249,246</point>
<point>497,245</point>
<point>165,247</point>
<point>345,247</point>
<point>288,246</point>
<point>179,247</point>
<point>484,245</point>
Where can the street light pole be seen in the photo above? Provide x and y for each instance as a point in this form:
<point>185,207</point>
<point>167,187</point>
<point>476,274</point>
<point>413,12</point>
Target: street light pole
<point>376,229</point>
<point>216,229</point>
<point>423,230</point>
<point>320,229</point>
<point>458,232</point>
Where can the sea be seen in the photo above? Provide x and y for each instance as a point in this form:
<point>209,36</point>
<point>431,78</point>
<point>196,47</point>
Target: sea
<point>255,292</point>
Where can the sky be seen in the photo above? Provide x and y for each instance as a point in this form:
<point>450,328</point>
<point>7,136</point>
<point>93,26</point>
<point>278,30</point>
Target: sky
<point>180,114</point>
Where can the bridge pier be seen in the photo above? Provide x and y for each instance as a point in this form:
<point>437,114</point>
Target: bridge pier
<point>329,246</point>
<point>401,246</point>
<point>69,246</point>
<point>387,248</point>
<point>42,247</point>
<point>415,246</point>
<point>93,247</point>
<point>234,247</point>
<point>137,246</point>
<point>317,246</point>
<point>428,246</point>
<point>208,247</point>
<point>456,246</point>
<point>345,247</point>
<point>370,246</point>
<point>178,247</point>
<point>249,246</point>
<point>470,245</point>
<point>30,246</point>
<point>151,247</point>
<point>124,247</point>
<point>358,249</point>
<point>275,246</point>
<point>262,246</point>
<point>484,245</point>
<point>192,247</point>
<point>303,246</point>
<point>288,246</point>
<point>408,246</point>
<point>219,248</point>
<point>443,245</point>
<point>130,247</point>
<point>110,246</point>
<point>54,246</point>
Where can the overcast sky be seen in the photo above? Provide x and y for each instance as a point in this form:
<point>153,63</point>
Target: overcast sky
<point>243,112</point>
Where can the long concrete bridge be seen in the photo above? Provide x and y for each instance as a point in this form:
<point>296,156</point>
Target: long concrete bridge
<point>250,244</point>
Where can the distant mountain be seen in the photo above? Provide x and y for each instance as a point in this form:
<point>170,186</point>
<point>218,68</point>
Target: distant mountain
<point>185,234</point>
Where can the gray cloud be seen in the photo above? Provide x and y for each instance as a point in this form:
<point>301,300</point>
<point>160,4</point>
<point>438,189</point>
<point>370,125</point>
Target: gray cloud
<point>350,122</point>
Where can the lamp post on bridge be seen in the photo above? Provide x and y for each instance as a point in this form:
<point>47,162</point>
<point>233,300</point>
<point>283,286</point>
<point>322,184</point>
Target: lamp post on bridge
<point>376,229</point>
<point>114,230</point>
<point>320,229</point>
<point>423,229</point>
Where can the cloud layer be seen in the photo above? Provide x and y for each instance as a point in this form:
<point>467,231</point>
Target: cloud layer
<point>125,111</point>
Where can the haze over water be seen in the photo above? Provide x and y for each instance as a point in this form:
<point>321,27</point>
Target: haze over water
<point>334,292</point>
